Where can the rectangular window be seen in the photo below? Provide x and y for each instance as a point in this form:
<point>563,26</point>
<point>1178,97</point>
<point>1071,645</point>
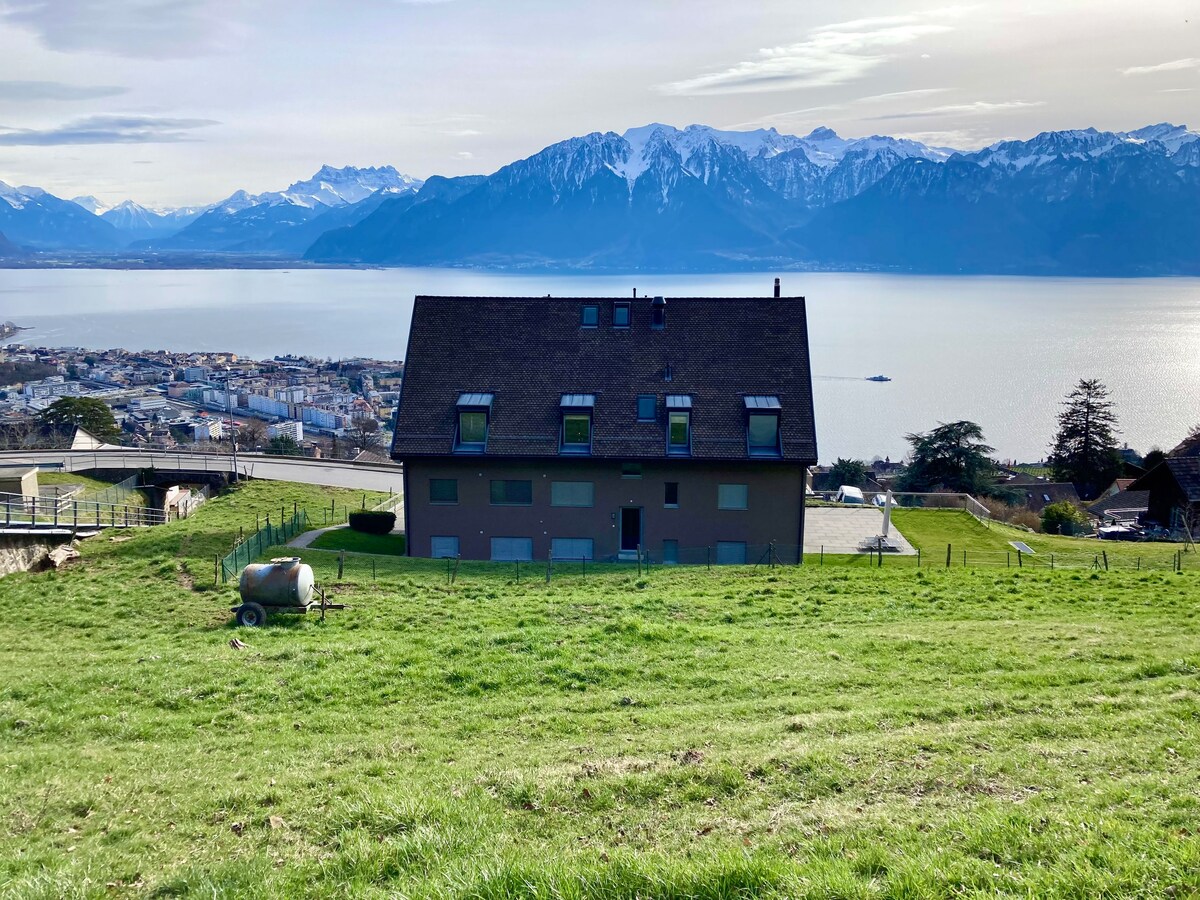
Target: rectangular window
<point>670,553</point>
<point>620,315</point>
<point>576,433</point>
<point>512,493</point>
<point>631,470</point>
<point>732,496</point>
<point>589,317</point>
<point>443,490</point>
<point>472,430</point>
<point>571,548</point>
<point>731,553</point>
<point>762,434</point>
<point>512,549</point>
<point>679,433</point>
<point>647,407</point>
<point>442,547</point>
<point>671,495</point>
<point>572,493</point>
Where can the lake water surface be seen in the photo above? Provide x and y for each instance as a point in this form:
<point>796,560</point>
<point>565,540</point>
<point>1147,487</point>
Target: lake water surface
<point>1000,351</point>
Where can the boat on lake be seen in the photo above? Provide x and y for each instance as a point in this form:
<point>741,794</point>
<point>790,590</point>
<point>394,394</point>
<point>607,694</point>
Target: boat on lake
<point>878,378</point>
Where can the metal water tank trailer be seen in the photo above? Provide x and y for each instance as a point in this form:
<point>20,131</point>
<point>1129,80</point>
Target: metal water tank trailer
<point>284,581</point>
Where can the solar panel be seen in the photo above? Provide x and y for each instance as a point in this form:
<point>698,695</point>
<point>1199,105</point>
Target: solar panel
<point>1023,547</point>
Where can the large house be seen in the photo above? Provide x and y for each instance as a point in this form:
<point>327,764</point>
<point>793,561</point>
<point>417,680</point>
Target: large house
<point>1173,495</point>
<point>583,428</point>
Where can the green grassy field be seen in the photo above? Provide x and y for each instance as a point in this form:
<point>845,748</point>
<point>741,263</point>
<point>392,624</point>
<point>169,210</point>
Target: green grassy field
<point>799,732</point>
<point>358,542</point>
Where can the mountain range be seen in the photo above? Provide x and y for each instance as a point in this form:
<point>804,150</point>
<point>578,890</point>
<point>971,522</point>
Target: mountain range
<point>663,198</point>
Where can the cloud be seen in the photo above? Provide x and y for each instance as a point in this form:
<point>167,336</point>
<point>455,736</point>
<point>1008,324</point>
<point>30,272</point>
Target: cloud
<point>829,55</point>
<point>56,90</point>
<point>779,118</point>
<point>978,108</point>
<point>464,154</point>
<point>150,29</point>
<point>107,129</point>
<point>1175,65</point>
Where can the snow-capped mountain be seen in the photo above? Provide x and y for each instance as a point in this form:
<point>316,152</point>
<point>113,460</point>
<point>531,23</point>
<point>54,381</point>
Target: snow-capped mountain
<point>699,197</point>
<point>91,204</point>
<point>33,217</point>
<point>1079,144</point>
<point>271,221</point>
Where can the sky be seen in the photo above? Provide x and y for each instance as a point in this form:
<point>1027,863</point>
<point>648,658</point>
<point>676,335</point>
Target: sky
<point>176,102</point>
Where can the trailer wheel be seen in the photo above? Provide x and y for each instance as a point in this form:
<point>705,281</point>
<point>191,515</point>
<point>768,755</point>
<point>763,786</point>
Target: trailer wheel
<point>251,615</point>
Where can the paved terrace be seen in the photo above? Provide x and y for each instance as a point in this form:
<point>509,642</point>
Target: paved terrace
<point>845,530</point>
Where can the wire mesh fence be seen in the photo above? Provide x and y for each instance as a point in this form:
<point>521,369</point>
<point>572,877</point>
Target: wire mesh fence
<point>252,547</point>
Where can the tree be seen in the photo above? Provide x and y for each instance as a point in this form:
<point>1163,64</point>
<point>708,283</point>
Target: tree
<point>849,471</point>
<point>1152,458</point>
<point>250,434</point>
<point>951,457</point>
<point>364,434</point>
<point>1063,517</point>
<point>67,413</point>
<point>283,445</point>
<point>1085,448</point>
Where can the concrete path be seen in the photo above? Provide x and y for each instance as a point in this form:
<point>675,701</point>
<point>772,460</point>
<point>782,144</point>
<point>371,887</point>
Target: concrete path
<point>301,541</point>
<point>844,530</point>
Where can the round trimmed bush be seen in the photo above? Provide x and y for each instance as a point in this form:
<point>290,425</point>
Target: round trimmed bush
<point>370,522</point>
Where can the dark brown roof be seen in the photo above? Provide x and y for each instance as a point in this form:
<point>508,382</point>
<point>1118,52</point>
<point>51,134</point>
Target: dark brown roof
<point>1184,469</point>
<point>1122,500</point>
<point>529,351</point>
<point>1039,495</point>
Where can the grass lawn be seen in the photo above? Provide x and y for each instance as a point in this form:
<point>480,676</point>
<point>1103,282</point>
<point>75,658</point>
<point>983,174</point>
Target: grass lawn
<point>932,529</point>
<point>797,732</point>
<point>358,542</point>
<point>92,487</point>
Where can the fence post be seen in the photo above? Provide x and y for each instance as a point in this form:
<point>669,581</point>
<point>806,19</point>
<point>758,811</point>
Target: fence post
<point>549,564</point>
<point>1051,562</point>
<point>447,570</point>
<point>518,564</point>
<point>708,557</point>
<point>964,559</point>
<point>372,568</point>
<point>341,563</point>
<point>1008,558</point>
<point>1105,554</point>
<point>822,554</point>
<point>947,556</point>
<point>216,568</point>
<point>639,558</point>
<point>918,557</point>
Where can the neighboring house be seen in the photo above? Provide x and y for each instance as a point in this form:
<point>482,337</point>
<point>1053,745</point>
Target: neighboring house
<point>1126,507</point>
<point>589,428</point>
<point>828,482</point>
<point>1121,484</point>
<point>1174,494</point>
<point>1037,496</point>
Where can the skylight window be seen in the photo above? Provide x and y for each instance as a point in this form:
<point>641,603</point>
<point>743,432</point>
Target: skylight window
<point>621,315</point>
<point>589,316</point>
<point>647,408</point>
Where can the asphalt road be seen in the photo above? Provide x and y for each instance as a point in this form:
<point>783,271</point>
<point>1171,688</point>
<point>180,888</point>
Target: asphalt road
<point>331,473</point>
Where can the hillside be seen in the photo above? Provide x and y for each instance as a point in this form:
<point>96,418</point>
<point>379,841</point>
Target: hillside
<point>811,732</point>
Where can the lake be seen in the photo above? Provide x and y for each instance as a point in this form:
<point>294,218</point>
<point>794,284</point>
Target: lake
<point>1000,351</point>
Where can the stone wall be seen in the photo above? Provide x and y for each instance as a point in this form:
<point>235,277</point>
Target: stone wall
<point>22,552</point>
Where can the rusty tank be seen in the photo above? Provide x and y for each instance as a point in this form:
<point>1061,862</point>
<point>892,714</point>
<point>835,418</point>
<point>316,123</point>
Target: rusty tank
<point>284,581</point>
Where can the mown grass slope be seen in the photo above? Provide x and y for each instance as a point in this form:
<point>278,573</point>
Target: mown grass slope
<point>812,732</point>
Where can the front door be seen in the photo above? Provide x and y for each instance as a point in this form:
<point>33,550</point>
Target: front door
<point>631,528</point>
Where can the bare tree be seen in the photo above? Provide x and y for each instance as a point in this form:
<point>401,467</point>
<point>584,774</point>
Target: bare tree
<point>251,434</point>
<point>364,434</point>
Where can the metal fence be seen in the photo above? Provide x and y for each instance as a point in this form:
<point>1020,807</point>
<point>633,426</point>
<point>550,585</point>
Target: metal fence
<point>19,510</point>
<point>118,494</point>
<point>247,549</point>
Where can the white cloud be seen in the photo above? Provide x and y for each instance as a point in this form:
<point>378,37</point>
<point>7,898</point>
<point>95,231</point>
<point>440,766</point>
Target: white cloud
<point>464,154</point>
<point>148,29</point>
<point>978,108</point>
<point>106,129</point>
<point>1175,65</point>
<point>56,90</point>
<point>829,55</point>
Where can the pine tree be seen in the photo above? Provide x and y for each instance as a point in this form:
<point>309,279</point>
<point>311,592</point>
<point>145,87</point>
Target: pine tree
<point>1085,448</point>
<point>951,457</point>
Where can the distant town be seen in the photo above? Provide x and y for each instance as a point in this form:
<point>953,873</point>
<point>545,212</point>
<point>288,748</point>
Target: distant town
<point>191,400</point>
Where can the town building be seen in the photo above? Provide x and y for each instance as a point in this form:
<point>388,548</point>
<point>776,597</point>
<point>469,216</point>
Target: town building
<point>680,428</point>
<point>1173,496</point>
